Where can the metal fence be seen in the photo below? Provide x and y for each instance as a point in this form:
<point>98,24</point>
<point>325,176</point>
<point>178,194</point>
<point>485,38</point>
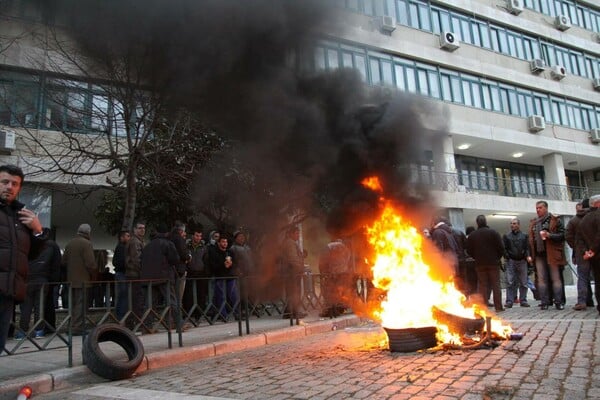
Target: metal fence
<point>486,184</point>
<point>159,305</point>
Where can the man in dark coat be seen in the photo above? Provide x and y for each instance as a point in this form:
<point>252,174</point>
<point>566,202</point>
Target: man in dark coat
<point>159,259</point>
<point>485,246</point>
<point>20,229</point>
<point>589,228</point>
<point>516,252</point>
<point>222,266</point>
<point>575,241</point>
<point>81,267</point>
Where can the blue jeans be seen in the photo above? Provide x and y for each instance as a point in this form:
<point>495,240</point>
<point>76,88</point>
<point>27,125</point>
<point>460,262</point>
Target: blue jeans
<point>7,305</point>
<point>516,277</point>
<point>548,279</point>
<point>226,296</point>
<point>584,294</point>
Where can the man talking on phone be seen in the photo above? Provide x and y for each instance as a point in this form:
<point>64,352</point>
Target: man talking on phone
<point>20,232</point>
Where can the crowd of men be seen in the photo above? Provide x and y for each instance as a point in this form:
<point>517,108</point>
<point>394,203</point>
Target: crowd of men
<point>480,254</point>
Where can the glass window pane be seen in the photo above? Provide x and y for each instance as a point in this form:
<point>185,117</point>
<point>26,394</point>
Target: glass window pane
<point>400,80</point>
<point>386,73</point>
<point>319,58</point>
<point>446,89</point>
<point>496,103</point>
<point>467,93</point>
<point>402,12</point>
<point>502,42</point>
<point>423,86</point>
<point>361,66</point>
<point>76,113</point>
<point>332,59</point>
<point>465,30</point>
<point>374,70</point>
<point>484,33</point>
<point>53,113</point>
<point>99,120</point>
<point>456,90</point>
<point>411,82</point>
<point>434,86</point>
<point>425,23</point>
<point>476,95</point>
<point>25,103</point>
<point>413,15</point>
<point>435,21</point>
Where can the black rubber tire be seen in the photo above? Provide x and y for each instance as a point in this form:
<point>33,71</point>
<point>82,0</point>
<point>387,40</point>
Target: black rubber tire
<point>458,324</point>
<point>411,339</point>
<point>100,364</point>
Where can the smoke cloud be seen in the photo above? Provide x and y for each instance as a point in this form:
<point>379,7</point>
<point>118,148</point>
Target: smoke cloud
<point>309,138</point>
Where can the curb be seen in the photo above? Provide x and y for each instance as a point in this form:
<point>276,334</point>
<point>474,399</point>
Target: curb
<point>68,377</point>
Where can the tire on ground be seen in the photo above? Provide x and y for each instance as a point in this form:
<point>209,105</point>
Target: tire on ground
<point>102,365</point>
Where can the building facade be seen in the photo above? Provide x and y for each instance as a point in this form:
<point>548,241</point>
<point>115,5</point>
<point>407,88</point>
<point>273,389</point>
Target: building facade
<point>517,81</point>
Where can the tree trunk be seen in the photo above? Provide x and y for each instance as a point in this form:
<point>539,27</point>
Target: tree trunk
<point>130,197</point>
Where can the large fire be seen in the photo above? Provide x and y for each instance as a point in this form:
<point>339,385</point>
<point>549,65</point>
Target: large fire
<point>412,288</point>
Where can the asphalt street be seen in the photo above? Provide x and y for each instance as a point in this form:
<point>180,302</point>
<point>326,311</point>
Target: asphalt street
<point>558,358</point>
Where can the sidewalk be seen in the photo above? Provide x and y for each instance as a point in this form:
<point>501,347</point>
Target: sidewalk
<point>48,370</point>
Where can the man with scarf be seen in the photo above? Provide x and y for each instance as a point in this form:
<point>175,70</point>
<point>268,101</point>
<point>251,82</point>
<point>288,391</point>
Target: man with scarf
<point>546,251</point>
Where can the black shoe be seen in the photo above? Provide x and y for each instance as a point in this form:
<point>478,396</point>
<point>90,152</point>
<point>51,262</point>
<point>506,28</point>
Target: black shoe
<point>560,306</point>
<point>508,305</point>
<point>525,304</point>
<point>544,306</point>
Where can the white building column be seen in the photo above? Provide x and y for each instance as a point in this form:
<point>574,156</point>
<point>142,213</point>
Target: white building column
<point>443,162</point>
<point>554,172</point>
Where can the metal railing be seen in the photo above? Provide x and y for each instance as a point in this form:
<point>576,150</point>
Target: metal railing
<point>149,307</point>
<point>454,182</point>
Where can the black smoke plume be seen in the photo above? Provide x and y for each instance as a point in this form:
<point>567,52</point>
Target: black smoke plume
<point>309,138</point>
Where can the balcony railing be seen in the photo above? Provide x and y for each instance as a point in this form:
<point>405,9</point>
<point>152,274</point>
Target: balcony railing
<point>454,182</point>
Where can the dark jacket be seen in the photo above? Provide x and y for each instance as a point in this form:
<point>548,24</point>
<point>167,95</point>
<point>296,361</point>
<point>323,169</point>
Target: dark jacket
<point>574,237</point>
<point>16,241</point>
<point>119,258</point>
<point>589,228</point>
<point>515,245</point>
<point>485,246</point>
<point>159,258</point>
<point>196,266</point>
<point>182,251</point>
<point>216,262</point>
<point>46,265</point>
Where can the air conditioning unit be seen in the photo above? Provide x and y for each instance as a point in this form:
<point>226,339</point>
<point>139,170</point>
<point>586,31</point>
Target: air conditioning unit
<point>536,123</point>
<point>514,6</point>
<point>596,83</point>
<point>562,22</point>
<point>537,65</point>
<point>7,140</point>
<point>449,41</point>
<point>595,135</point>
<point>386,23</point>
<point>558,72</point>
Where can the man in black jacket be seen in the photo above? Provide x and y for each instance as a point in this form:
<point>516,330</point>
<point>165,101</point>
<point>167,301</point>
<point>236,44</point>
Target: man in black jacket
<point>120,264</point>
<point>516,252</point>
<point>20,229</point>
<point>485,246</point>
<point>158,261</point>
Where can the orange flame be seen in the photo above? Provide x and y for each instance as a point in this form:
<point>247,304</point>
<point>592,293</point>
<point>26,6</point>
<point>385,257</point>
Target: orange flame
<point>412,288</point>
<point>373,183</point>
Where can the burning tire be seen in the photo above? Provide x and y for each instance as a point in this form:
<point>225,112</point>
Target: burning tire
<point>457,324</point>
<point>411,339</point>
<point>104,366</point>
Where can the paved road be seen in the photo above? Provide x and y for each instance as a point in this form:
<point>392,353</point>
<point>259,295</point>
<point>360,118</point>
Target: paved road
<point>558,358</point>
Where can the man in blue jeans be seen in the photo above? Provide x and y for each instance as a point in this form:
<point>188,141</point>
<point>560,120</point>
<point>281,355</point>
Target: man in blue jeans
<point>515,254</point>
